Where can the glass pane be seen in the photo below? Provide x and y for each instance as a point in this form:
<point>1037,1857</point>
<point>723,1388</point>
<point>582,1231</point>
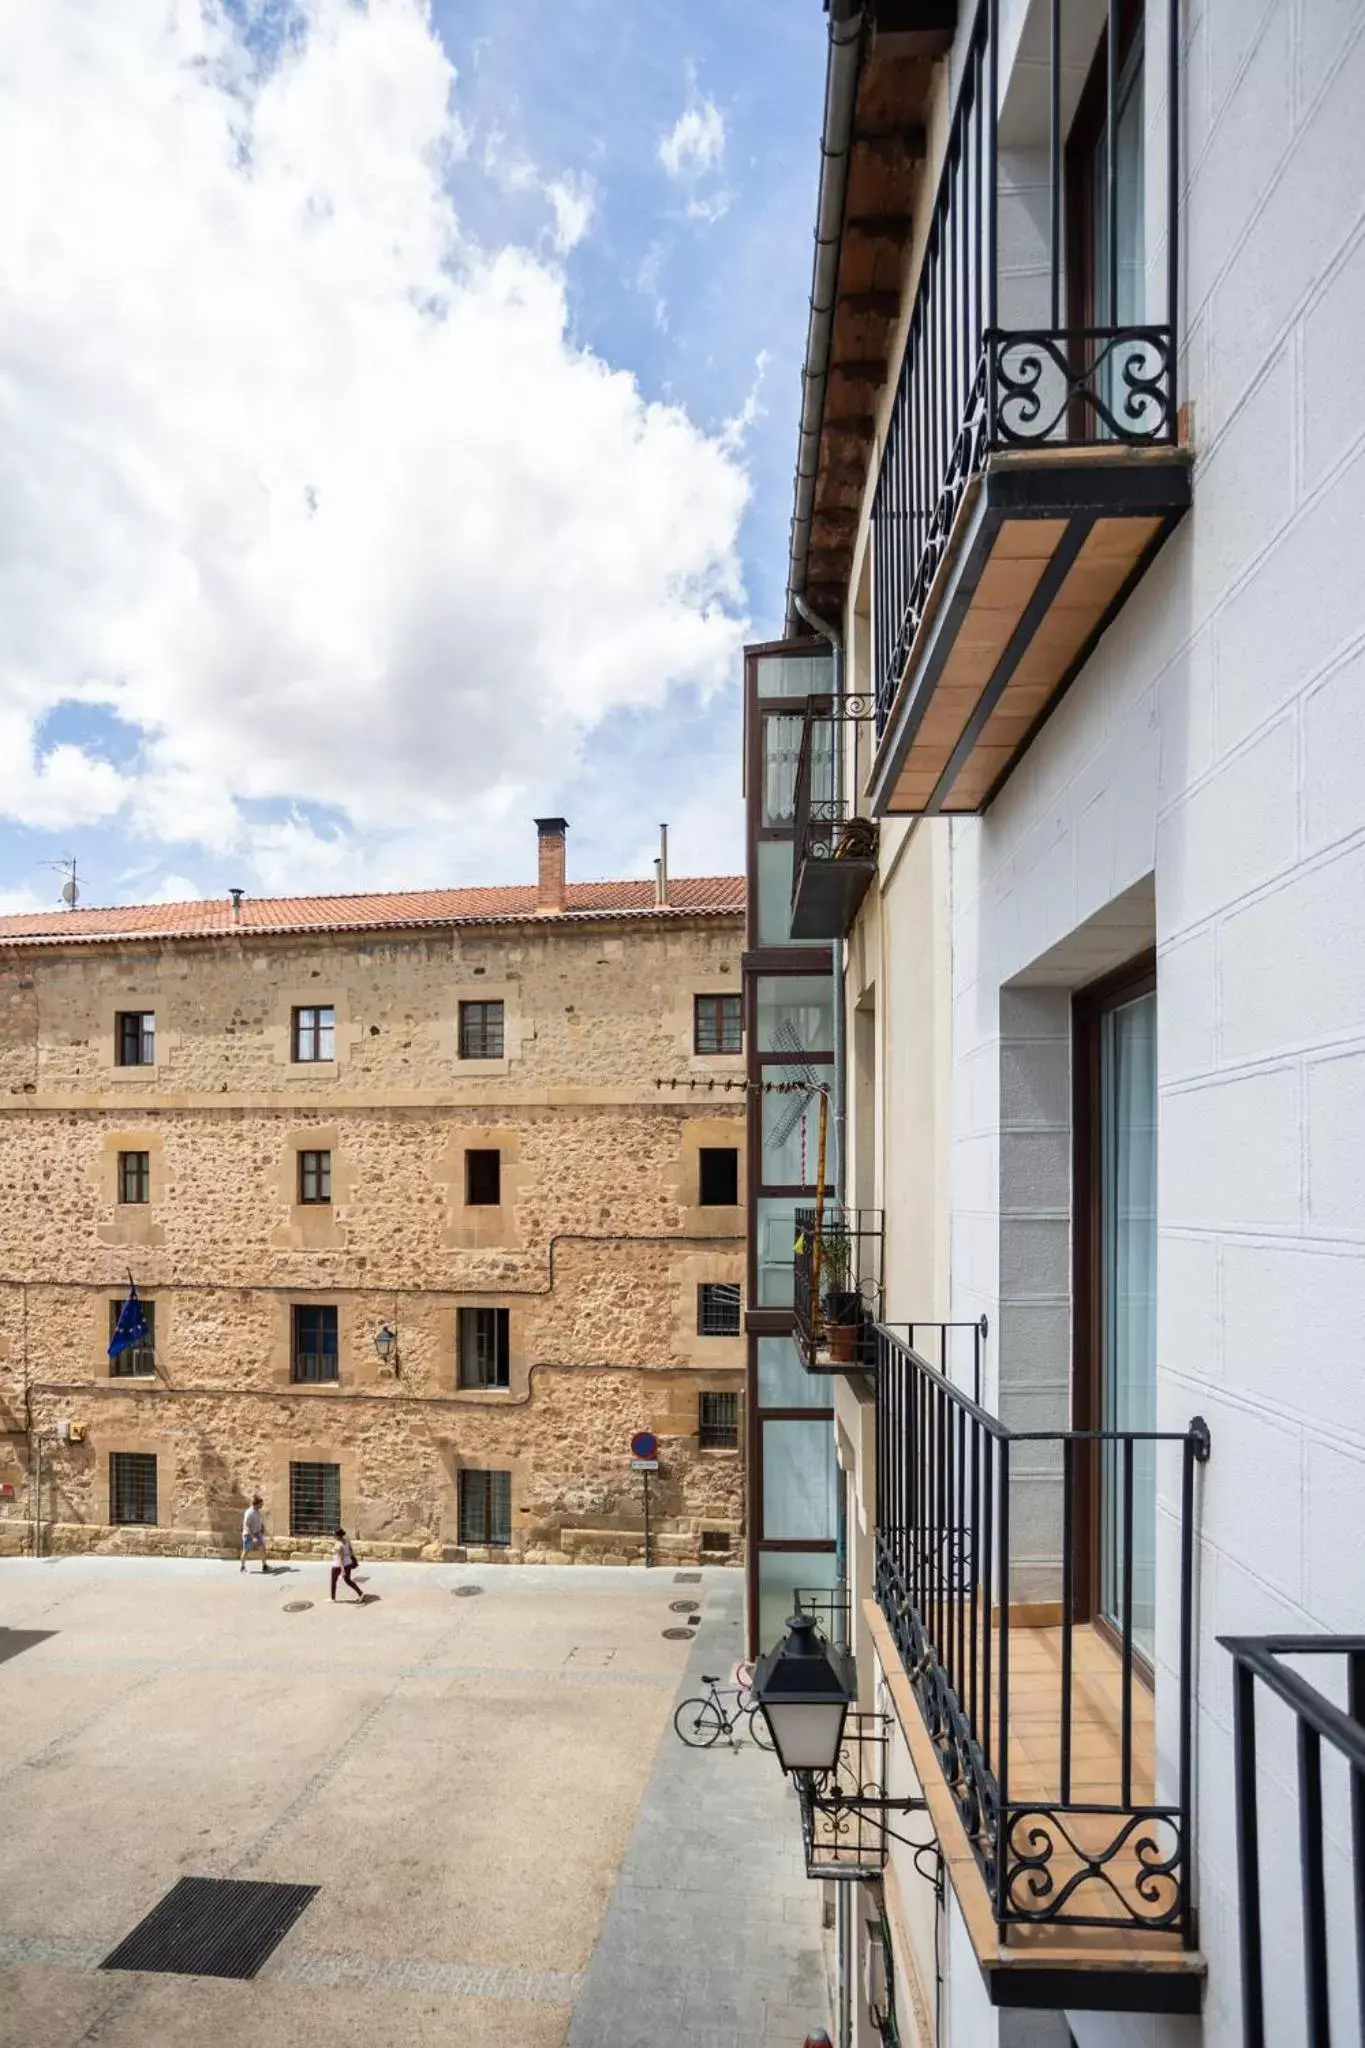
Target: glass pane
<point>780,1574</point>
<point>794,675</point>
<point>775,895</point>
<point>782,737</point>
<point>795,1013</point>
<point>783,1381</point>
<point>791,1132</point>
<point>1128,1280</point>
<point>799,1482</point>
<point>775,1238</point>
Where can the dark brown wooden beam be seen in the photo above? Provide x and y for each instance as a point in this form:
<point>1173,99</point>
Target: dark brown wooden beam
<point>905,144</point>
<point>860,369</point>
<point>840,471</point>
<point>856,426</point>
<point>879,227</point>
<point>880,305</point>
<point>828,564</point>
<point>913,28</point>
<point>838,518</point>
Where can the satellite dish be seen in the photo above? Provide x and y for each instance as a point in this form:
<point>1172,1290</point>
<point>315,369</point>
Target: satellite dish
<point>71,895</point>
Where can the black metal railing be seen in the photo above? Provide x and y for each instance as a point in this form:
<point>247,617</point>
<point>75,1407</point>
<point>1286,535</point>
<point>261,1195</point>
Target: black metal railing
<point>825,826</point>
<point>985,1537</point>
<point>976,378</point>
<point>828,1610</point>
<point>843,1816</point>
<point>1309,2001</point>
<point>837,1286</point>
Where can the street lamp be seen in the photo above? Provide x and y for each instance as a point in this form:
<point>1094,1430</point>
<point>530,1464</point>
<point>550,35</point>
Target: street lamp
<point>386,1344</point>
<point>805,1688</point>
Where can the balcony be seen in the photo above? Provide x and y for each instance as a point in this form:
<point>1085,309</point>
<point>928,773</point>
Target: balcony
<point>835,850</point>
<point>1300,1769</point>
<point>1032,465</point>
<point>837,1287</point>
<point>1022,1679</point>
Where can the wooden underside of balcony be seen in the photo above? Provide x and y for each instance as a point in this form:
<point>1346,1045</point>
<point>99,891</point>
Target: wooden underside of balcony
<point>1109,1969</point>
<point>1045,550</point>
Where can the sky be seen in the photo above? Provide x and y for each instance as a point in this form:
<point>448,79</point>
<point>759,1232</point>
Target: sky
<point>398,407</point>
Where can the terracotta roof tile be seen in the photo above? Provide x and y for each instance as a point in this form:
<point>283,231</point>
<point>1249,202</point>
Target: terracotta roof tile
<point>413,909</point>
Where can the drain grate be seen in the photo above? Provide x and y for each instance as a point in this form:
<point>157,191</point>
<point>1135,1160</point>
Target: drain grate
<point>213,1927</point>
<point>687,1578</point>
<point>465,1592</point>
<point>677,1635</point>
<point>297,1606</point>
<point>684,1606</point>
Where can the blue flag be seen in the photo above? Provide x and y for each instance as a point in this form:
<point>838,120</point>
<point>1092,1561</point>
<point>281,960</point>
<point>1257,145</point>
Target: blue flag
<point>131,1327</point>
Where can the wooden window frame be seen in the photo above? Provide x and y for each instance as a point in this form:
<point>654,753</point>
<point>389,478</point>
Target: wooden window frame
<point>297,1352</point>
<point>138,1362</point>
<point>135,1038</point>
<point>479,1027</point>
<point>137,1176</point>
<point>487,1539</point>
<point>312,1042</point>
<point>492,1371</point>
<point>729,1009</point>
<point>315,1172</point>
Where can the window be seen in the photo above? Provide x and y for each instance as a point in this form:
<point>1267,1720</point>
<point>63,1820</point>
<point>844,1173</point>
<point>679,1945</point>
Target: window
<point>715,1543</point>
<point>718,1176</point>
<point>483,1179</point>
<point>484,1347</point>
<point>718,1422</point>
<point>135,1038</point>
<point>315,1033</point>
<point>717,1025</point>
<point>718,1309</point>
<point>138,1358</point>
<point>132,1486</point>
<point>315,1344</point>
<point>480,1031</point>
<point>314,1499</point>
<point>486,1507</point>
<point>135,1176</point>
<point>315,1176</point>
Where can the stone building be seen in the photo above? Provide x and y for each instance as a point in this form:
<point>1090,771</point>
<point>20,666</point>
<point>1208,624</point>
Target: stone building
<point>432,1200</point>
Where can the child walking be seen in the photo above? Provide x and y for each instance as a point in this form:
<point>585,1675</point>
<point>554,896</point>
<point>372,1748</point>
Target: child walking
<point>343,1564</point>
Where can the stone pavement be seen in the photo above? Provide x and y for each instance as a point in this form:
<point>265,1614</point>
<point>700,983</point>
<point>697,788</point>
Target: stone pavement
<point>713,1934</point>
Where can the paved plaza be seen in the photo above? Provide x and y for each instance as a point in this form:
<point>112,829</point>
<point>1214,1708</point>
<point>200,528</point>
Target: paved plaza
<point>511,1847</point>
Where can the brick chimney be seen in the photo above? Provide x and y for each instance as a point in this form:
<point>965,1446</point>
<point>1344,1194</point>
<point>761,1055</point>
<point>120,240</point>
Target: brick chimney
<point>550,864</point>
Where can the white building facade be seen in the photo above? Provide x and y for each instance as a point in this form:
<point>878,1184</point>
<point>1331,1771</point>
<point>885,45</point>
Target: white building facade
<point>1088,548</point>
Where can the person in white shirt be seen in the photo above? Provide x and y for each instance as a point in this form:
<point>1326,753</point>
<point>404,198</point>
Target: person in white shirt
<point>253,1532</point>
<point>343,1564</point>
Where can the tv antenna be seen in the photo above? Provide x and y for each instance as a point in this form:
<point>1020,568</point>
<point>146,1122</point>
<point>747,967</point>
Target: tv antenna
<point>71,894</point>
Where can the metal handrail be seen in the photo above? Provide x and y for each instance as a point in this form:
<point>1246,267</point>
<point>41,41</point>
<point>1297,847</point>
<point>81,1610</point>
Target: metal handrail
<point>945,1583</point>
<point>1318,1720</point>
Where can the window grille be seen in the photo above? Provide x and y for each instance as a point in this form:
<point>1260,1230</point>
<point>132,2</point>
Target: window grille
<point>717,1024</point>
<point>135,1176</point>
<point>135,1038</point>
<point>716,1542</point>
<point>314,1032</point>
<point>486,1507</point>
<point>718,1422</point>
<point>132,1486</point>
<point>483,1179</point>
<point>485,1347</point>
<point>314,1499</point>
<point>718,1308</point>
<point>315,1176</point>
<point>719,1176</point>
<point>138,1358</point>
<point>481,1031</point>
<point>315,1343</point>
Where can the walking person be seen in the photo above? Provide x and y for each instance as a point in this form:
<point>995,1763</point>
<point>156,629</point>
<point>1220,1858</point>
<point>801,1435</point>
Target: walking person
<point>343,1564</point>
<point>253,1532</point>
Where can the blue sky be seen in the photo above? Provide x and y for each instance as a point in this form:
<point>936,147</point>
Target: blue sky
<point>315,590</point>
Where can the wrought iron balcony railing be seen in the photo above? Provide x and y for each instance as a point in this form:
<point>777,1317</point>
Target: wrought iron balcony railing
<point>1274,1750</point>
<point>835,850</point>
<point>1043,1724</point>
<point>837,1286</point>
<point>829,1611</point>
<point>997,359</point>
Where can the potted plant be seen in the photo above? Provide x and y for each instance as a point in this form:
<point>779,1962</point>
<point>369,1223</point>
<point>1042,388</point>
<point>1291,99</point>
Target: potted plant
<point>841,1303</point>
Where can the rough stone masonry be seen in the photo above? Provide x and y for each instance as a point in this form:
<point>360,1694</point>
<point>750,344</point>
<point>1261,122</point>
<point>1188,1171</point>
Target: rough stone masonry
<point>556,1027</point>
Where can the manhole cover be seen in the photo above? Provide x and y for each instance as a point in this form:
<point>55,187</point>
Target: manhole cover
<point>684,1606</point>
<point>465,1592</point>
<point>213,1927</point>
<point>687,1578</point>
<point>677,1635</point>
<point>297,1606</point>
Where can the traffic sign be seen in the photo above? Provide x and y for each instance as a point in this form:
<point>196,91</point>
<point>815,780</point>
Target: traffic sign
<point>644,1444</point>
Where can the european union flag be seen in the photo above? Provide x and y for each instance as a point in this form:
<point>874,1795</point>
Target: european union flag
<point>131,1327</point>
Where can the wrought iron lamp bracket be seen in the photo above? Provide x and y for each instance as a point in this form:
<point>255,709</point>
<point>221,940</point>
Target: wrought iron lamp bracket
<point>859,710</point>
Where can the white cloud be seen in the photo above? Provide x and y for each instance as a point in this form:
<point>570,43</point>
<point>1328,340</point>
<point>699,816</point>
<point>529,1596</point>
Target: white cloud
<point>695,144</point>
<point>316,494</point>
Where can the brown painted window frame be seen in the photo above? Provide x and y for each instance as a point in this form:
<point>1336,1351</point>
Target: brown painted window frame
<point>135,1038</point>
<point>472,1372</point>
<point>297,1352</point>
<point>487,1540</point>
<point>135,1172</point>
<point>306,1039</point>
<point>1089,1006</point>
<point>315,1168</point>
<point>138,1362</point>
<point>729,1010</point>
<point>483,1036</point>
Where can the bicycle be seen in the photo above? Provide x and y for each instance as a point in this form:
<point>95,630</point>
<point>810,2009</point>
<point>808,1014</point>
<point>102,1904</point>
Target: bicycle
<point>700,1722</point>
